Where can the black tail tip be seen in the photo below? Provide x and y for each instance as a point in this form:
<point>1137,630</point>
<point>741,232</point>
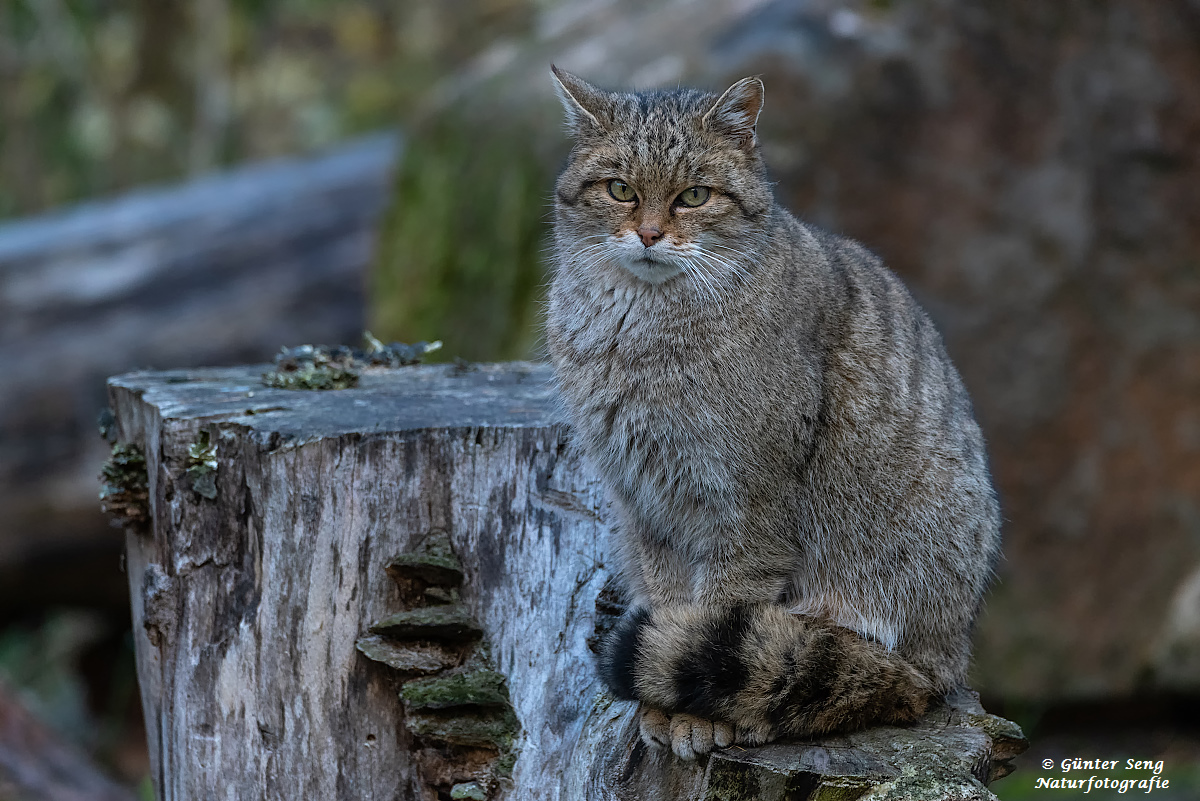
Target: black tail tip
<point>618,654</point>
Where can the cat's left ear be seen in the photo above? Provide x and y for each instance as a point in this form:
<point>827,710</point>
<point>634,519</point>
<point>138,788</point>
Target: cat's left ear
<point>736,112</point>
<point>587,107</point>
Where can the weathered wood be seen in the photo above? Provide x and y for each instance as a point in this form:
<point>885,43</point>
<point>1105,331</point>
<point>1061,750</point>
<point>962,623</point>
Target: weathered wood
<point>432,522</point>
<point>220,270</point>
<point>36,764</point>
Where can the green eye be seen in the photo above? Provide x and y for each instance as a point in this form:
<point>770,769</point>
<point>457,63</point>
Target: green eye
<point>621,191</point>
<point>696,196</point>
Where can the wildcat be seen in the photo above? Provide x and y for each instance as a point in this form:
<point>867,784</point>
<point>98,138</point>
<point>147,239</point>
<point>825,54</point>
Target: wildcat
<point>805,520</point>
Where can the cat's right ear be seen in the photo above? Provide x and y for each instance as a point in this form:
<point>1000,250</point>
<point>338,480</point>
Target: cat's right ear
<point>585,105</point>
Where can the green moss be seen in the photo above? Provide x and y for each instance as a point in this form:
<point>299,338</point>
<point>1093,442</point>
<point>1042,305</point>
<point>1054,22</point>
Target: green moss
<point>323,367</point>
<point>312,376</point>
<point>844,789</point>
<point>505,764</point>
<point>480,687</point>
<point>434,562</point>
<point>202,466</point>
<point>468,790</point>
<point>460,253</point>
<point>441,623</point>
<point>124,470</point>
<point>124,489</point>
<point>495,729</point>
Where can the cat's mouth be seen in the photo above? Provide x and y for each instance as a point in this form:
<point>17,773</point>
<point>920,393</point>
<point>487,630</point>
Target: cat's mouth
<point>651,269</point>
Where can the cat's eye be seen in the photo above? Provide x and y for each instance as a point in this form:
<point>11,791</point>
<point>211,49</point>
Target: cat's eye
<point>621,191</point>
<point>696,196</point>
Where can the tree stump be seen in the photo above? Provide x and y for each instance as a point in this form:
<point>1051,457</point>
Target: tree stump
<point>388,592</point>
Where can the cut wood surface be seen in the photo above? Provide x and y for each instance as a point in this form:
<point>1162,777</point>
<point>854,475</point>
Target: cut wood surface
<point>391,597</point>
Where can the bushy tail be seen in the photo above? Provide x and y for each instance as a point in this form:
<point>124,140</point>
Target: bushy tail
<point>769,672</point>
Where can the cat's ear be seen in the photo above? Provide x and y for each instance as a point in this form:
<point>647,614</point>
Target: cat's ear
<point>736,112</point>
<point>586,106</point>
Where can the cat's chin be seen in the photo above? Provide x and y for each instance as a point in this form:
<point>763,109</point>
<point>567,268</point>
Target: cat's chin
<point>650,271</point>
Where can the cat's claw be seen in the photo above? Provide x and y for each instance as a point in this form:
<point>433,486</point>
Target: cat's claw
<point>687,735</point>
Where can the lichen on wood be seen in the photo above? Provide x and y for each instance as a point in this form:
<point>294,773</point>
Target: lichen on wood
<point>407,657</point>
<point>124,491</point>
<point>202,466</point>
<point>325,367</point>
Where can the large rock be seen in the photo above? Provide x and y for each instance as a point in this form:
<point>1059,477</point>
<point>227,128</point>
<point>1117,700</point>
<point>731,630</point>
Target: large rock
<point>1030,169</point>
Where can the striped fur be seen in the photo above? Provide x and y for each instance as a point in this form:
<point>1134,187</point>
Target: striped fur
<point>805,519</point>
<point>766,671</point>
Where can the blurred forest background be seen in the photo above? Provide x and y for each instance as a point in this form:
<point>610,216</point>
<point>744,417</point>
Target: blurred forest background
<point>1030,168</point>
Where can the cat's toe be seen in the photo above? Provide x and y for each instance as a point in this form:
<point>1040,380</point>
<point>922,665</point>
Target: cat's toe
<point>724,734</point>
<point>681,737</point>
<point>702,736</point>
<point>655,726</point>
<point>753,734</point>
<point>692,736</point>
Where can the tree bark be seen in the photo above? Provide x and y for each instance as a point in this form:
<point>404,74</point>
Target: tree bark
<point>392,594</point>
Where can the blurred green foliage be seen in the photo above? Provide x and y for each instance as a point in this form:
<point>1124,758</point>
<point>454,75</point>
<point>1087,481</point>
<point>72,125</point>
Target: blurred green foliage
<point>460,252</point>
<point>98,96</point>
<point>45,662</point>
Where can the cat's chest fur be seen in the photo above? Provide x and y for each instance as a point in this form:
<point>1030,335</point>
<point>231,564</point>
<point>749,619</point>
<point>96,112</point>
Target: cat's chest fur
<point>649,389</point>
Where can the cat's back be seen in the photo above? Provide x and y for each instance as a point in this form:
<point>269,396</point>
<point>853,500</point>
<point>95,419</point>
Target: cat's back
<point>890,393</point>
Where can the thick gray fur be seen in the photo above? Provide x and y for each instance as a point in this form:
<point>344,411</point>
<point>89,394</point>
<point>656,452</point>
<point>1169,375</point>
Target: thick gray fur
<point>775,418</point>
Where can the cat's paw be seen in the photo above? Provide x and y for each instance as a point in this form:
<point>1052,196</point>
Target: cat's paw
<point>754,735</point>
<point>687,735</point>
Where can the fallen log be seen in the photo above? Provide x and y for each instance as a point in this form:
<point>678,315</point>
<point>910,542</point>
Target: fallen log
<point>219,270</point>
<point>388,592</point>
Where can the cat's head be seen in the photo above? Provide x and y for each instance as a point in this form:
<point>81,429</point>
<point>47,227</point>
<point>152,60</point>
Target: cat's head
<point>661,184</point>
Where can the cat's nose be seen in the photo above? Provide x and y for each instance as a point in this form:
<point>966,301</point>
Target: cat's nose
<point>650,234</point>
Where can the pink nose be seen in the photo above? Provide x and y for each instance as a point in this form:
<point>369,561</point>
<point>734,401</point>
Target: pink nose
<point>650,234</point>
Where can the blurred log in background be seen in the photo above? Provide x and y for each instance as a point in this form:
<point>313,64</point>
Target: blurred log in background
<point>1029,168</point>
